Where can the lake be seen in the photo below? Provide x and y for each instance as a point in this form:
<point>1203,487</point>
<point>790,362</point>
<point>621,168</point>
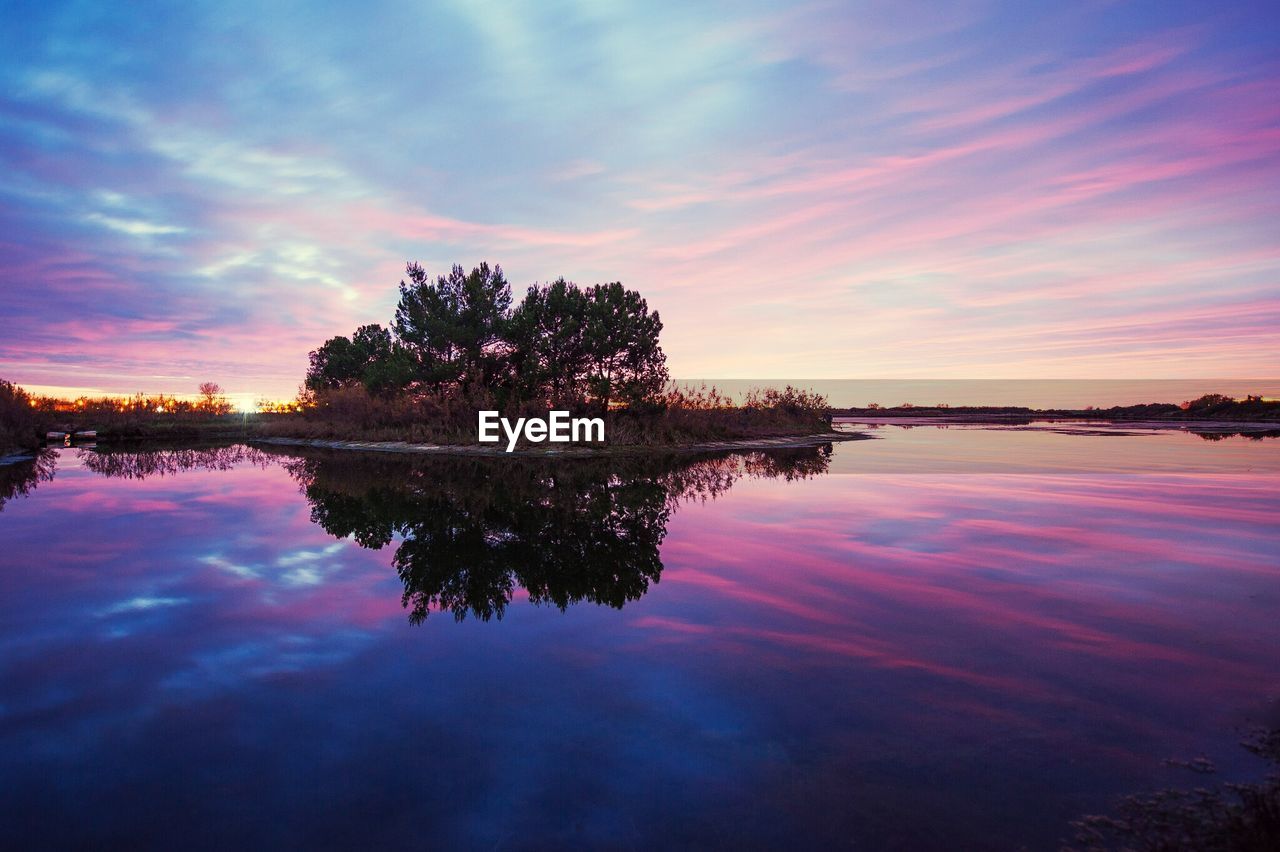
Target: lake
<point>959,637</point>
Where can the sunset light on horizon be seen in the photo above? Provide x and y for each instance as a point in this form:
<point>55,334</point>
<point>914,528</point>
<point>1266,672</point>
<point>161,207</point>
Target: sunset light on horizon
<point>821,190</point>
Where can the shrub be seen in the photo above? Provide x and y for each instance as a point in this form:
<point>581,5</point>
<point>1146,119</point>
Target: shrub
<point>22,426</point>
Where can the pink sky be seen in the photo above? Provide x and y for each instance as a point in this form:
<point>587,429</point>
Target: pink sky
<point>822,191</point>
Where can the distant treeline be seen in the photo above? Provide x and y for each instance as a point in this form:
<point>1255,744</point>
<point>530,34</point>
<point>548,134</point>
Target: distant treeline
<point>1214,406</point>
<point>25,418</point>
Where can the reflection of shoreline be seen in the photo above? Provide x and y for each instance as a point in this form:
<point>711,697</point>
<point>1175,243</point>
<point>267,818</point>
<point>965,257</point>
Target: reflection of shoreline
<point>789,442</point>
<point>470,532</point>
<point>168,461</point>
<point>20,475</point>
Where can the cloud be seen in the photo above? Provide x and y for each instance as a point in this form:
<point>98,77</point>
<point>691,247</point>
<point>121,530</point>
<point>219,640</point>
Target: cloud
<point>797,190</point>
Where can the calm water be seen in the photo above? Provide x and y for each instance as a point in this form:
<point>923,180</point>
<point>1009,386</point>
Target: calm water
<point>944,638</point>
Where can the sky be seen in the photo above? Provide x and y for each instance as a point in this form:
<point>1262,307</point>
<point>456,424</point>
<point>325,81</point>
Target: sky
<point>207,191</point>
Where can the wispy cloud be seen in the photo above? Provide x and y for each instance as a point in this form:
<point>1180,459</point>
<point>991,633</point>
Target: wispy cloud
<point>1081,191</point>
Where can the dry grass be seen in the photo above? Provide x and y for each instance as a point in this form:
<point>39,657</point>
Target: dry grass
<point>681,416</point>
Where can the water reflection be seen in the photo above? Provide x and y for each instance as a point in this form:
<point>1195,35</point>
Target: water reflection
<point>21,478</point>
<point>168,461</point>
<point>471,532</point>
<point>1252,435</point>
<point>876,659</point>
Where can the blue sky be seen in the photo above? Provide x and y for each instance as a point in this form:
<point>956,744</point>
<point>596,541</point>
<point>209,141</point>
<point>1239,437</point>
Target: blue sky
<point>870,190</point>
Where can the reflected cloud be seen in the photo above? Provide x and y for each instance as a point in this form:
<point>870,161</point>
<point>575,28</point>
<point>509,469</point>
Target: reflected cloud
<point>143,605</point>
<point>780,650</point>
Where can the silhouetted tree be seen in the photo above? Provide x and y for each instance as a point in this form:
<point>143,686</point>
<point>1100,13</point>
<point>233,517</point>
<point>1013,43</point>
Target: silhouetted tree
<point>212,400</point>
<point>625,361</point>
<point>1209,402</point>
<point>548,338</point>
<point>599,343</point>
<point>453,329</point>
<point>21,425</point>
<point>370,357</point>
<point>563,344</point>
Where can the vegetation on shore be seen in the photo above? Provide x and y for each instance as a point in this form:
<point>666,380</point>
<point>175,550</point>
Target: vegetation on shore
<point>458,345</point>
<point>679,416</point>
<point>683,416</point>
<point>21,427</point>
<point>26,419</point>
<point>1213,406</point>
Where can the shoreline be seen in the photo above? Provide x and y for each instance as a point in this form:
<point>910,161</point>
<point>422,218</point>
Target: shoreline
<point>978,419</point>
<point>403,447</point>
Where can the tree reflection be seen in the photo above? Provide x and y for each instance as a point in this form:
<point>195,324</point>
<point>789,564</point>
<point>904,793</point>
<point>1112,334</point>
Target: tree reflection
<point>1251,434</point>
<point>140,464</point>
<point>1239,817</point>
<point>472,531</point>
<point>18,479</point>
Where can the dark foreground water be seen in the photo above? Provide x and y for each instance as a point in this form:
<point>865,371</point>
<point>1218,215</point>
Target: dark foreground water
<point>945,638</point>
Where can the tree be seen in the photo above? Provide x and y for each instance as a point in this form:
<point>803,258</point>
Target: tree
<point>563,344</point>
<point>624,359</point>
<point>1209,403</point>
<point>599,343</point>
<point>453,330</point>
<point>390,373</point>
<point>547,335</point>
<point>22,426</point>
<point>212,400</point>
<point>369,356</point>
<point>210,391</point>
